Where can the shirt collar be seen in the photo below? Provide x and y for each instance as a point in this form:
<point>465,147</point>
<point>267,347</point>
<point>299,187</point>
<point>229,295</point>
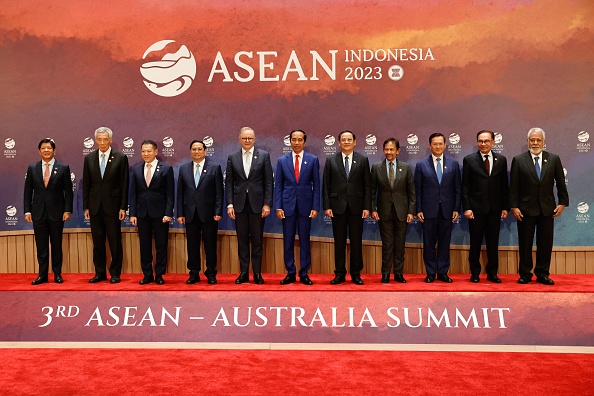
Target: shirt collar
<point>107,153</point>
<point>251,151</point>
<point>201,163</point>
<point>51,163</point>
<point>153,163</point>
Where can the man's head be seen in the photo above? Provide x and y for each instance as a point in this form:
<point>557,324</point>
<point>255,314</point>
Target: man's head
<point>197,150</point>
<point>298,139</point>
<point>347,142</point>
<point>536,140</point>
<point>391,148</point>
<point>103,138</point>
<point>247,138</point>
<point>149,151</point>
<point>47,149</point>
<point>437,144</point>
<point>485,141</point>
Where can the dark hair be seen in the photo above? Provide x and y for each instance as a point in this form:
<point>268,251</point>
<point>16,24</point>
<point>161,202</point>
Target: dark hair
<point>47,140</point>
<point>151,142</point>
<point>299,130</point>
<point>347,131</point>
<point>198,141</point>
<point>436,134</point>
<point>392,140</point>
<point>485,131</point>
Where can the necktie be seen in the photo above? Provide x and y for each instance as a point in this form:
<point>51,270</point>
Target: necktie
<point>439,171</point>
<point>247,163</point>
<point>297,167</point>
<point>537,166</point>
<point>197,175</point>
<point>346,166</point>
<point>102,165</point>
<point>487,164</point>
<point>46,174</point>
<point>148,174</point>
<point>391,174</point>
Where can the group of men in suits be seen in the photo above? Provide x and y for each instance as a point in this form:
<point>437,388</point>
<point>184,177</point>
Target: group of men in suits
<point>350,191</point>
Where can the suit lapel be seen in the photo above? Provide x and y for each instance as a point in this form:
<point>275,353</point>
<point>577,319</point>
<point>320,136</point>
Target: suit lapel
<point>545,165</point>
<point>481,163</point>
<point>531,167</point>
<point>203,173</point>
<point>341,164</point>
<point>398,173</point>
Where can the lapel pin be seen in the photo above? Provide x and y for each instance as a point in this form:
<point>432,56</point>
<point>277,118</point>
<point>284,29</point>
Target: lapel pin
<point>445,167</point>
<point>255,157</point>
<point>495,158</point>
<point>305,162</point>
<point>399,170</point>
<point>354,162</point>
<point>545,160</point>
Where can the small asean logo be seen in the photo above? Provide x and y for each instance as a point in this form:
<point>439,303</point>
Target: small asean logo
<point>173,74</point>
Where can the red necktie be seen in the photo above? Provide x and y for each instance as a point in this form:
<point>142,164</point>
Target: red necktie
<point>46,174</point>
<point>297,167</point>
<point>487,164</point>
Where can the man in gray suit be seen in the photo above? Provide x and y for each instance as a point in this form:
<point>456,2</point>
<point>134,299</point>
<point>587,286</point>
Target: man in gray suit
<point>393,205</point>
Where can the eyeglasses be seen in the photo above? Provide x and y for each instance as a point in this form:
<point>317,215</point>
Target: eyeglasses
<point>484,141</point>
<point>247,139</point>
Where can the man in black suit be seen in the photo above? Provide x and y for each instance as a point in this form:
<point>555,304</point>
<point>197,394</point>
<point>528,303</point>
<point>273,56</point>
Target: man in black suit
<point>48,204</point>
<point>393,206</point>
<point>346,197</point>
<point>485,202</point>
<point>249,186</point>
<point>533,177</point>
<point>105,201</point>
<point>200,207</point>
<point>151,209</point>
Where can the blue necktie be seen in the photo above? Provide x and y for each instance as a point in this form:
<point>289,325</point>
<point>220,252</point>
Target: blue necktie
<point>537,166</point>
<point>197,176</point>
<point>439,172</point>
<point>346,166</point>
<point>102,165</point>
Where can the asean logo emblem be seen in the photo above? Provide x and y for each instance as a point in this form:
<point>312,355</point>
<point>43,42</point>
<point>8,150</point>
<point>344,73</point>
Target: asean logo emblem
<point>173,74</point>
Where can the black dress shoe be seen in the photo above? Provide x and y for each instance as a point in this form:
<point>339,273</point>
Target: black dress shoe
<point>211,279</point>
<point>146,280</point>
<point>493,278</point>
<point>385,278</point>
<point>524,280</point>
<point>159,280</point>
<point>258,280</point>
<point>194,278</point>
<point>242,278</point>
<point>475,278</point>
<point>58,278</point>
<point>430,278</point>
<point>338,279</point>
<point>114,279</point>
<point>356,279</point>
<point>305,280</point>
<point>545,280</point>
<point>98,278</point>
<point>399,278</point>
<point>444,278</point>
<point>39,280</point>
<point>288,279</point>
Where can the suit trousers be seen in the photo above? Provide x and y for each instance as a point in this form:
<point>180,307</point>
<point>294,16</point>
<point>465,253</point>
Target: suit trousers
<point>249,227</point>
<point>48,232</point>
<point>354,224</point>
<point>196,231</point>
<point>147,228</point>
<point>437,231</point>
<point>487,225</point>
<point>544,226</point>
<point>292,224</point>
<point>393,234</point>
<point>103,226</point>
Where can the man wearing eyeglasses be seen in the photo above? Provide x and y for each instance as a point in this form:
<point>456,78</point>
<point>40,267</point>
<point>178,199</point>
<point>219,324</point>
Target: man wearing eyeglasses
<point>248,189</point>
<point>485,202</point>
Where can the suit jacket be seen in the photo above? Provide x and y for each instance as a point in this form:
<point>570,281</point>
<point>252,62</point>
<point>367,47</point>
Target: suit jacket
<point>481,192</point>
<point>430,193</point>
<point>156,200</point>
<point>55,199</point>
<point>533,196</point>
<point>204,201</point>
<point>338,191</point>
<point>257,186</point>
<point>109,192</point>
<point>305,193</point>
<point>401,196</point>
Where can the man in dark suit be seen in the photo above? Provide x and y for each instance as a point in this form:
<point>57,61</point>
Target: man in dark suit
<point>105,201</point>
<point>48,204</point>
<point>393,206</point>
<point>151,208</point>
<point>346,199</point>
<point>297,201</point>
<point>438,189</point>
<point>200,207</point>
<point>485,202</point>
<point>249,186</point>
<point>533,177</point>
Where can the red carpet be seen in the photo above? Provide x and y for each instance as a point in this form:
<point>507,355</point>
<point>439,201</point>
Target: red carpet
<point>177,282</point>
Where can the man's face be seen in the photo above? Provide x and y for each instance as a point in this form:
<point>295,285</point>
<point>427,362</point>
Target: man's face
<point>437,146</point>
<point>149,153</point>
<point>47,152</point>
<point>103,141</point>
<point>485,143</point>
<point>247,139</point>
<point>347,143</point>
<point>536,142</point>
<point>297,142</point>
<point>390,151</point>
<point>198,152</point>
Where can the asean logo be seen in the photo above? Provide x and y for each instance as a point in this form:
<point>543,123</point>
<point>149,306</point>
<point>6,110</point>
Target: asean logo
<point>412,139</point>
<point>370,139</point>
<point>329,140</point>
<point>88,142</point>
<point>583,207</point>
<point>498,138</point>
<point>11,211</point>
<point>454,138</point>
<point>173,74</point>
<point>287,140</point>
<point>208,141</point>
